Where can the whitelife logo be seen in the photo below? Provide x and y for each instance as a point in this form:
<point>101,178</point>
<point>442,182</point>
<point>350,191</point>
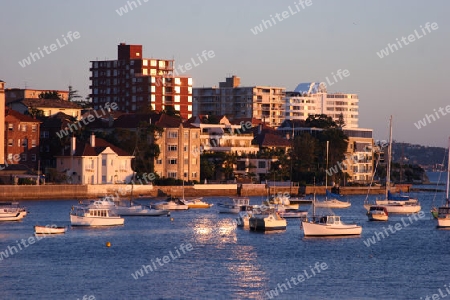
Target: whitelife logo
<point>391,48</point>
<point>69,37</point>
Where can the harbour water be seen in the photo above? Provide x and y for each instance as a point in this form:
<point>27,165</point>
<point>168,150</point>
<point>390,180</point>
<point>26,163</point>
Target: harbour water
<point>200,254</point>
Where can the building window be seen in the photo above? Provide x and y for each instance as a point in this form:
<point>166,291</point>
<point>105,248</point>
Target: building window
<point>104,162</point>
<point>194,174</point>
<point>33,128</point>
<point>186,161</point>
<point>261,164</point>
<point>25,142</point>
<point>172,174</point>
<point>23,157</point>
<point>23,127</point>
<point>194,161</point>
<point>10,127</point>
<point>172,161</point>
<point>186,135</point>
<point>185,174</point>
<point>33,157</point>
<point>185,148</point>
<point>104,179</point>
<point>33,143</point>
<point>172,147</point>
<point>45,134</point>
<point>173,134</point>
<point>159,161</point>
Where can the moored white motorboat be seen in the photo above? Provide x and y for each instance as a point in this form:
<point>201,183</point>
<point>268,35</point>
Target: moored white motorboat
<point>11,211</point>
<point>140,210</point>
<point>196,203</point>
<point>244,216</point>
<point>377,213</point>
<point>171,203</point>
<point>94,215</point>
<point>330,226</point>
<point>234,206</point>
<point>268,220</point>
<point>53,229</point>
<point>398,208</point>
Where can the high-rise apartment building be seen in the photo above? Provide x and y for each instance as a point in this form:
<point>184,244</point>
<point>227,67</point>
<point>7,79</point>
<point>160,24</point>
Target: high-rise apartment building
<point>139,84</point>
<point>233,101</point>
<point>313,99</point>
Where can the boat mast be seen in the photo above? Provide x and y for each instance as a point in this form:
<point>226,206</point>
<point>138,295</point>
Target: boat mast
<point>448,172</point>
<point>326,174</point>
<point>388,171</point>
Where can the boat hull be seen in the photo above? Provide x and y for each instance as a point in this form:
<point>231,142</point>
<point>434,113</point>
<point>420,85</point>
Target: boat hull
<point>377,217</point>
<point>165,206</point>
<point>12,216</point>
<point>399,209</point>
<point>332,204</point>
<point>313,229</point>
<point>293,214</point>
<point>267,223</point>
<point>130,211</point>
<point>96,221</point>
<point>49,230</point>
<point>228,208</point>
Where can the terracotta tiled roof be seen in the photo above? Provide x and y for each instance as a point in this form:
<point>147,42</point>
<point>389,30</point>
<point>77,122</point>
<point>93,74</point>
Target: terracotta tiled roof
<point>272,140</point>
<point>133,120</point>
<point>85,149</point>
<point>48,103</point>
<point>19,116</point>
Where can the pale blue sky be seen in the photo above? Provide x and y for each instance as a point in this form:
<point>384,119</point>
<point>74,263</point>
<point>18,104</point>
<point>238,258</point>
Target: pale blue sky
<point>308,46</point>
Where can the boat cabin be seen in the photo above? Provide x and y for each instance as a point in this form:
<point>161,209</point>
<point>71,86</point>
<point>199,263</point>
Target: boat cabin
<point>444,213</point>
<point>330,220</point>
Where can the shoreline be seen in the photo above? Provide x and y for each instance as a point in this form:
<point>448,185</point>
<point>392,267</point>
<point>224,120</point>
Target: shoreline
<point>80,192</point>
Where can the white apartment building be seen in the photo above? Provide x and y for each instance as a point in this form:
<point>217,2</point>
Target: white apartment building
<point>313,99</point>
<point>261,102</point>
<point>96,162</point>
<point>225,137</point>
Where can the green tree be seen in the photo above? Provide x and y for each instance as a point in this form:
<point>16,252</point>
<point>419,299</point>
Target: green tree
<point>73,95</point>
<point>320,121</point>
<point>50,95</point>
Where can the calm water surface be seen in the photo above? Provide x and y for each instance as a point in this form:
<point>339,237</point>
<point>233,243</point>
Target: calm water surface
<point>225,262</point>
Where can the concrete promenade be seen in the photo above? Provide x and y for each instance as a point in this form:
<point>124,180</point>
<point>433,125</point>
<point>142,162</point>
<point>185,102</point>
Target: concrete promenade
<point>49,192</point>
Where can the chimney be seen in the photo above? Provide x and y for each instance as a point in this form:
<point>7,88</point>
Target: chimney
<point>92,140</point>
<point>73,143</point>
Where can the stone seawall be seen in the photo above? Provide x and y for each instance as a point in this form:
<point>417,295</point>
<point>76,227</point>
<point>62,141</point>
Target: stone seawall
<point>49,192</point>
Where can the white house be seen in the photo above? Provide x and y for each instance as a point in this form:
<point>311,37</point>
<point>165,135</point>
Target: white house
<point>96,162</point>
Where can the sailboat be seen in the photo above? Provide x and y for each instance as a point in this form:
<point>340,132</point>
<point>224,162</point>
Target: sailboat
<point>328,225</point>
<point>196,202</point>
<point>434,209</point>
<point>402,205</point>
<point>331,203</point>
<point>443,217</point>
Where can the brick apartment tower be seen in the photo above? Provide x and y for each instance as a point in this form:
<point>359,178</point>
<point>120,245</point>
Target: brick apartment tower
<point>137,83</point>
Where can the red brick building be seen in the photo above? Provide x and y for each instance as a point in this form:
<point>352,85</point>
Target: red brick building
<point>137,83</point>
<point>21,139</point>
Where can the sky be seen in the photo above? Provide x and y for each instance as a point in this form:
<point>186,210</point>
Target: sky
<point>310,44</point>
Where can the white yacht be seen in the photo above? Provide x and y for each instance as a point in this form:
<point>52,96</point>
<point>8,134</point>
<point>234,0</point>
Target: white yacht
<point>403,204</point>
<point>171,203</point>
<point>268,220</point>
<point>11,211</point>
<point>234,206</point>
<point>329,225</point>
<point>377,213</point>
<point>94,215</point>
<point>443,212</point>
